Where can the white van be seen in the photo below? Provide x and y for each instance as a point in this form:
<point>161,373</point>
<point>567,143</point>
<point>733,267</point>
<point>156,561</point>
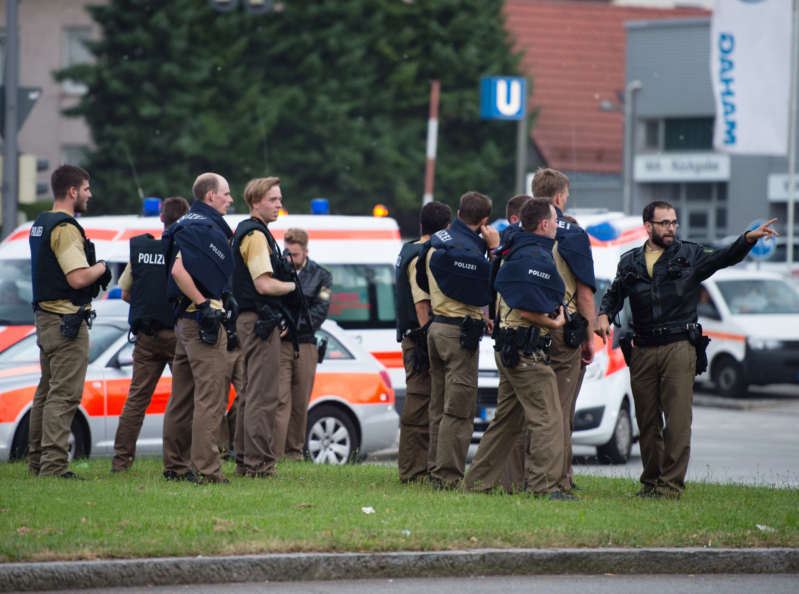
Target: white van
<point>752,319</point>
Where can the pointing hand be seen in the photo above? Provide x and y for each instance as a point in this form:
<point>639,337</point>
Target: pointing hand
<point>764,230</point>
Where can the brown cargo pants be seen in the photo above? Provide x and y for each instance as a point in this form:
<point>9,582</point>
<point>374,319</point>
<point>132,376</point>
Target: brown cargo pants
<point>255,420</point>
<point>415,420</point>
<point>569,374</point>
<point>528,393</point>
<point>64,362</point>
<point>453,398</point>
<point>517,470</point>
<point>150,355</point>
<point>296,385</point>
<point>234,375</point>
<point>191,420</point>
<point>662,379</point>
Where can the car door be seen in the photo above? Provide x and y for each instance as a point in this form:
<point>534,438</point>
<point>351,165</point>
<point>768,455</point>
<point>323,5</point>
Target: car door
<point>118,375</point>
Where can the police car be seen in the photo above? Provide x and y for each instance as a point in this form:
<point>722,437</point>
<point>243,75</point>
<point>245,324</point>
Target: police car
<point>351,412</point>
<point>752,319</point>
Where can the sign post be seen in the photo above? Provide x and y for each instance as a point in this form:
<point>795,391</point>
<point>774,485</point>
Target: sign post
<point>505,98</point>
<point>764,248</point>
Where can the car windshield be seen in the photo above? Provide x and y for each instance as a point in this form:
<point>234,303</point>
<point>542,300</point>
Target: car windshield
<point>26,351</point>
<point>757,296</point>
<point>362,296</point>
<point>16,293</point>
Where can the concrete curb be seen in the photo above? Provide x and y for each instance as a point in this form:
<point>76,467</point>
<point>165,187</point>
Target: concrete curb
<point>331,566</point>
<point>708,401</point>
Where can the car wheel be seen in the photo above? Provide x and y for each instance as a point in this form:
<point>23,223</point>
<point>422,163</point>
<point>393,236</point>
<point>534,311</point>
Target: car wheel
<point>76,444</point>
<point>729,378</point>
<point>331,437</point>
<point>617,450</point>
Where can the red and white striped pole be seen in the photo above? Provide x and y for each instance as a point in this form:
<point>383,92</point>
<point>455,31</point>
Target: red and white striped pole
<point>432,142</point>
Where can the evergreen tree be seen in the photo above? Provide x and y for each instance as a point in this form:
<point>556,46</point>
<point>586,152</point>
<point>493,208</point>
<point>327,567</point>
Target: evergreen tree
<point>330,95</point>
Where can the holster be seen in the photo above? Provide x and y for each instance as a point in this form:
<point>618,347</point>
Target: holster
<point>574,331</point>
<point>471,333</point>
<point>322,349</point>
<point>420,356</point>
<point>209,328</point>
<point>626,346</point>
<point>513,341</point>
<point>268,320</point>
<point>232,340</point>
<point>700,342</point>
<point>70,323</point>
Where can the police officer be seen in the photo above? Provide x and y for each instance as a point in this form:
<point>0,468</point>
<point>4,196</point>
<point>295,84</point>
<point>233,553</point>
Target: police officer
<point>662,280</point>
<point>297,374</point>
<point>529,288</point>
<point>413,322</point>
<point>512,210</point>
<point>260,284</point>
<point>65,278</point>
<point>234,376</point>
<point>572,347</point>
<point>200,265</point>
<point>152,322</point>
<point>452,267</point>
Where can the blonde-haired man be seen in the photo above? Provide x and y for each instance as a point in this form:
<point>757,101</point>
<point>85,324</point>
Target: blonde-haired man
<point>297,374</point>
<point>260,282</point>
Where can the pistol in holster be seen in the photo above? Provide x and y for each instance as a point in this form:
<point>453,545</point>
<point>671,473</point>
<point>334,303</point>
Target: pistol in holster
<point>268,320</point>
<point>322,349</point>
<point>70,323</point>
<point>513,341</point>
<point>420,355</point>
<point>700,342</point>
<point>574,329</point>
<point>626,346</point>
<point>471,333</point>
<point>232,340</point>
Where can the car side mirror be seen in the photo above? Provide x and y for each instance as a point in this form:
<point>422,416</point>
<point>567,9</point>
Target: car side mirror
<point>125,358</point>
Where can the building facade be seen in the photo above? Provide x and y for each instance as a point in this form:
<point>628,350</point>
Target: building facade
<point>716,195</point>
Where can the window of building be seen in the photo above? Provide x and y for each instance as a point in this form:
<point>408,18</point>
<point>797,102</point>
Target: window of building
<point>73,154</point>
<point>688,134</point>
<point>652,134</point>
<point>74,53</point>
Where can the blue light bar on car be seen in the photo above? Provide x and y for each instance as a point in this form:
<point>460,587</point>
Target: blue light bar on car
<point>151,207</point>
<point>320,206</point>
<point>603,231</point>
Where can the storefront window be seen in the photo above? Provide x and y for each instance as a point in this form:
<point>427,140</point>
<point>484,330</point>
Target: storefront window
<point>688,134</point>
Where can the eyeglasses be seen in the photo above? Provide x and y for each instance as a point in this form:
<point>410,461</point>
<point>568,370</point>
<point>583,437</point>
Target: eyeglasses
<point>666,224</point>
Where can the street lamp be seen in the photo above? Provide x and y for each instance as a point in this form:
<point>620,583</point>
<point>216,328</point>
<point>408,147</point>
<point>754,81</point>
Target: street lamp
<point>629,137</point>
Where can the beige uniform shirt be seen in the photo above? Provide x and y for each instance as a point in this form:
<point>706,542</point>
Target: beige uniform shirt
<point>568,279</point>
<point>651,257</point>
<point>126,280</point>
<point>443,305</point>
<point>255,252</point>
<point>215,303</point>
<point>416,290</point>
<point>67,245</point>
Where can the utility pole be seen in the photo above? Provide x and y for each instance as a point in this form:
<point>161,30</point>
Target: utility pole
<point>432,142</point>
<point>629,142</point>
<point>789,255</point>
<point>11,84</point>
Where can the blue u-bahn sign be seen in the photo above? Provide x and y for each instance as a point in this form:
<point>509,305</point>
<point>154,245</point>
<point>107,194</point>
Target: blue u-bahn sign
<point>503,98</point>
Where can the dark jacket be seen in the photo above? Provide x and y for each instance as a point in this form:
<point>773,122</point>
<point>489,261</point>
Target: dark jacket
<point>317,286</point>
<point>670,298</point>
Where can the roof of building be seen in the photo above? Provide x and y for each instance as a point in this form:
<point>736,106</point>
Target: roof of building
<point>575,54</point>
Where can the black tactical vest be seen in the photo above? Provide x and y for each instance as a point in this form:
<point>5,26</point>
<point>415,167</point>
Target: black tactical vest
<point>406,311</point>
<point>574,246</point>
<point>49,281</point>
<point>459,265</point>
<point>243,286</point>
<point>148,295</point>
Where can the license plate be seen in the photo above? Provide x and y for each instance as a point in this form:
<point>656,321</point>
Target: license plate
<point>487,414</point>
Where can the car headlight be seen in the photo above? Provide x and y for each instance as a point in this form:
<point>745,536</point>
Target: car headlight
<point>763,344</point>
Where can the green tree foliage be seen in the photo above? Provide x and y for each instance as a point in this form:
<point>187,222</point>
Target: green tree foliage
<point>330,95</point>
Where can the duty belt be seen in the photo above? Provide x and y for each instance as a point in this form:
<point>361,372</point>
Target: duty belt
<point>663,336</point>
<point>447,320</point>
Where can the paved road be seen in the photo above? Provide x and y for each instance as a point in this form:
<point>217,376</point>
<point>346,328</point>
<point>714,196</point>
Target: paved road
<point>602,584</point>
<point>757,445</point>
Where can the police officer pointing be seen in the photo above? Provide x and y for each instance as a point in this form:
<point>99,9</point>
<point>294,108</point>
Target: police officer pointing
<point>152,322</point>
<point>525,277</point>
<point>413,323</point>
<point>662,279</point>
<point>200,265</point>
<point>65,278</point>
<point>452,267</point>
<point>259,285</point>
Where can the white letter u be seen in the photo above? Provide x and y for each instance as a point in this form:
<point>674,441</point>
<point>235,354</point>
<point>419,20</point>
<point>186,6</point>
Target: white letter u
<point>509,106</point>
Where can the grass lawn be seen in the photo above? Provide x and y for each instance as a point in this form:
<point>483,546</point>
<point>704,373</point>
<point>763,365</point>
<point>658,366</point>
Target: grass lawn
<point>319,508</point>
